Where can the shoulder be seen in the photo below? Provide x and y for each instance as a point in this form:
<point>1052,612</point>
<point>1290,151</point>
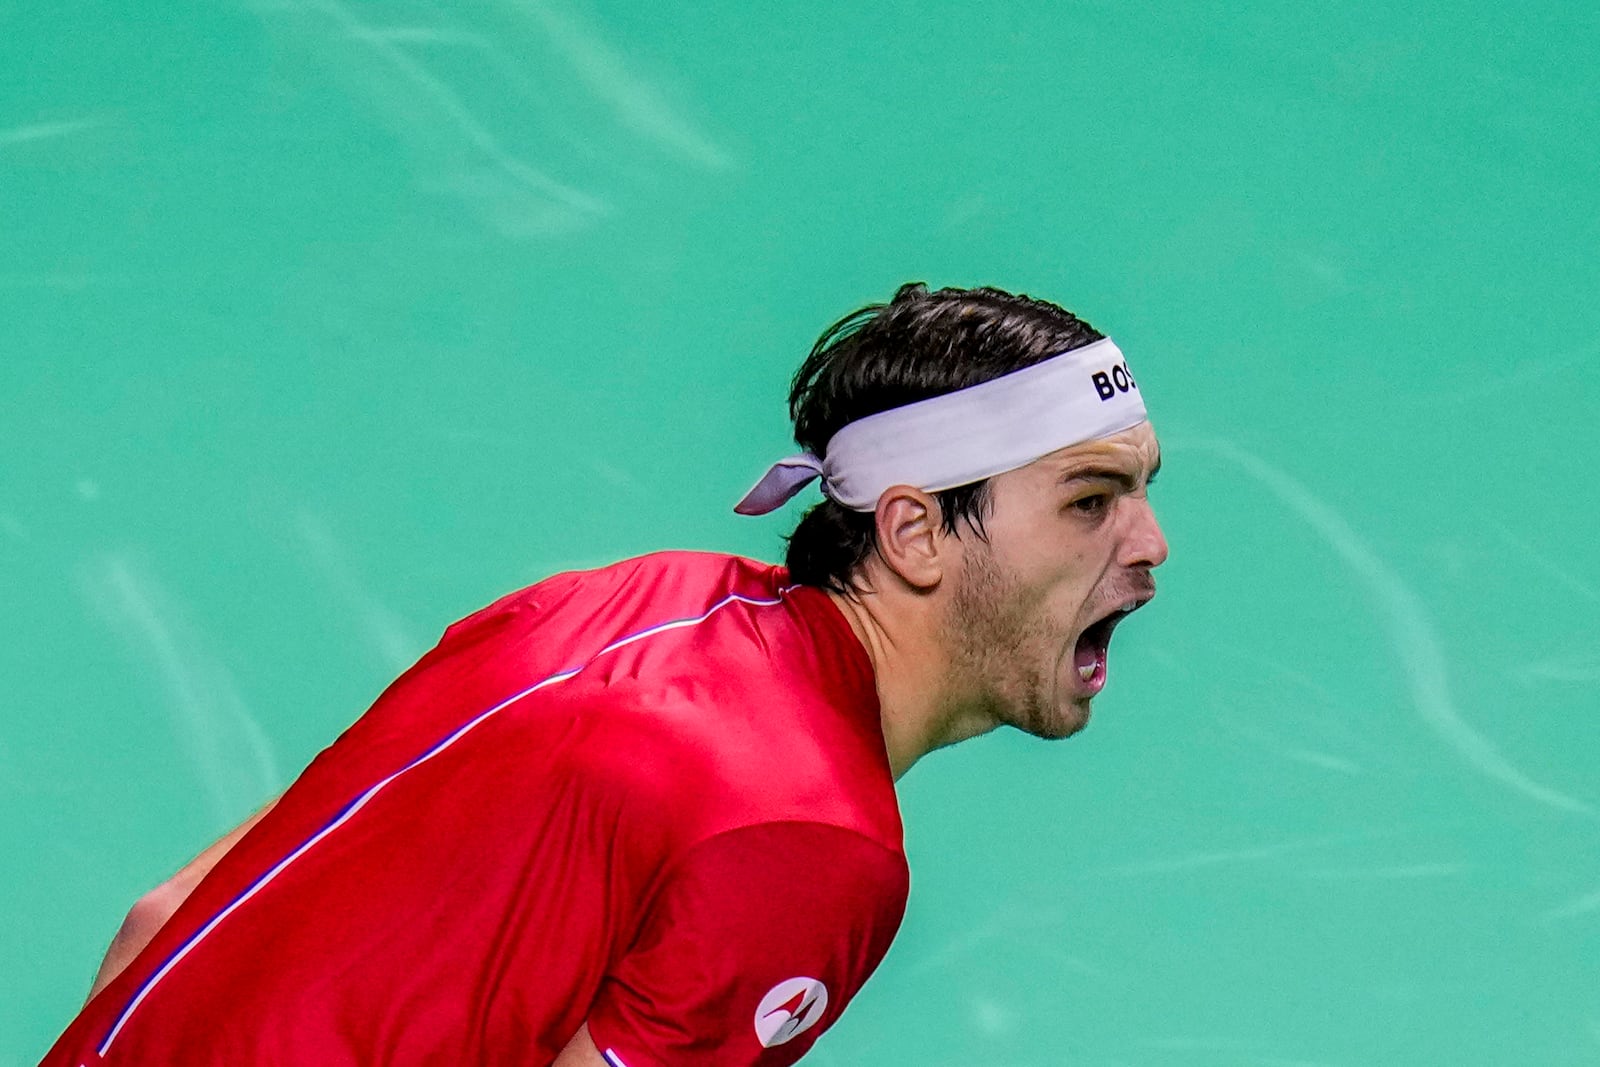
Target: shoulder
<point>669,582</point>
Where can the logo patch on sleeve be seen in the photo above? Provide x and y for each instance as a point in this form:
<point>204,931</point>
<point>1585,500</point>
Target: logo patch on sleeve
<point>789,1009</point>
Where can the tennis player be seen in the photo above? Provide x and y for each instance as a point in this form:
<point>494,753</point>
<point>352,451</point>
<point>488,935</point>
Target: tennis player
<point>644,816</point>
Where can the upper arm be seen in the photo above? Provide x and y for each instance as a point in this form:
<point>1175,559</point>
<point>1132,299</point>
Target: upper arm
<point>180,885</point>
<point>753,947</point>
<point>151,911</point>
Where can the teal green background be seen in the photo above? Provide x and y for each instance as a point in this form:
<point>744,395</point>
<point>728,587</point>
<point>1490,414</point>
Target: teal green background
<point>326,322</point>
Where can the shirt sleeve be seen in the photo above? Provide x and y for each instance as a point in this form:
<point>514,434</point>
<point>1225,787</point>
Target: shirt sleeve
<point>752,948</point>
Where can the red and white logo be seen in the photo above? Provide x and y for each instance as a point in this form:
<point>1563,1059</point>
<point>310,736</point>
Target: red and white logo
<point>790,1009</point>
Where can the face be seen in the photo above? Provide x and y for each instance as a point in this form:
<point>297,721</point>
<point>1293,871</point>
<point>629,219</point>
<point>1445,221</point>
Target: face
<point>1071,543</point>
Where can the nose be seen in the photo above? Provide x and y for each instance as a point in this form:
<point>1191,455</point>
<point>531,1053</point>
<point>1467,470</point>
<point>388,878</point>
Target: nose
<point>1143,544</point>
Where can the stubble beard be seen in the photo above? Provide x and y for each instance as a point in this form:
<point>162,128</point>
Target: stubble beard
<point>1000,644</point>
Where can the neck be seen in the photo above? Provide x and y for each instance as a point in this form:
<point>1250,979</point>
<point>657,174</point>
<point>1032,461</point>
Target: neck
<point>919,708</point>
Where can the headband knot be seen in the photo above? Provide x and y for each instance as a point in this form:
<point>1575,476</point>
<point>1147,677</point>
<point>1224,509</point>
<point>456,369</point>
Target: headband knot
<point>778,486</point>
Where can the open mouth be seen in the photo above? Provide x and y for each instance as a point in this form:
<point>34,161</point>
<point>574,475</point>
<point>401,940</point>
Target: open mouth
<point>1094,645</point>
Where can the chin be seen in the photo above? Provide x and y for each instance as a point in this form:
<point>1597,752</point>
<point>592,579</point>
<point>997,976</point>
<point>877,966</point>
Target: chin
<point>1076,718</point>
<point>1059,722</point>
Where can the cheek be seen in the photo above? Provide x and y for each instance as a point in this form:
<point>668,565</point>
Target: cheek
<point>1049,608</point>
<point>1051,557</point>
<point>1068,589</point>
<point>1064,576</point>
<point>1067,602</point>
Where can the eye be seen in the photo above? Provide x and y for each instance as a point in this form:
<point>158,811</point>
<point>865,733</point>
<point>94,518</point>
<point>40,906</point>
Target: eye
<point>1093,504</point>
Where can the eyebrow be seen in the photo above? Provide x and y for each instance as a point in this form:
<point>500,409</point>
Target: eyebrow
<point>1110,474</point>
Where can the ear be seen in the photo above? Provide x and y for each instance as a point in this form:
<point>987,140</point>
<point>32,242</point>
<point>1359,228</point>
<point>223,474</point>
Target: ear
<point>910,526</point>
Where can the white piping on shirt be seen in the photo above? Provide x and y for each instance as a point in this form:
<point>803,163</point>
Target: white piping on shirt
<point>361,801</point>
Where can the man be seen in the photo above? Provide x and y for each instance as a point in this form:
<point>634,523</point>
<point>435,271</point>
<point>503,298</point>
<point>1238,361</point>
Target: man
<point>644,816</point>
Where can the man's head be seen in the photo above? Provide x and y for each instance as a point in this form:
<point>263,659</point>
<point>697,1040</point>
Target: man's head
<point>1023,573</point>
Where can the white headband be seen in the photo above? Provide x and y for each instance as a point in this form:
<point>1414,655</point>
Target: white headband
<point>968,435</point>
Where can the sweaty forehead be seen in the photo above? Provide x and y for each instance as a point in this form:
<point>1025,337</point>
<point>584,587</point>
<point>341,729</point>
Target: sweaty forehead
<point>1133,451</point>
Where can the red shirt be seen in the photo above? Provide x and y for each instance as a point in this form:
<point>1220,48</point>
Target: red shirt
<point>652,797</point>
